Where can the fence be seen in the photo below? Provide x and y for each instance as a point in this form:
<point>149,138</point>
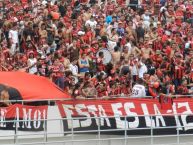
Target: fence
<point>101,135</point>
<point>50,101</point>
<point>70,136</point>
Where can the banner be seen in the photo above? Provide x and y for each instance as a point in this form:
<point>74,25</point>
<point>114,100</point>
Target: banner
<point>142,115</point>
<point>15,84</point>
<point>27,118</point>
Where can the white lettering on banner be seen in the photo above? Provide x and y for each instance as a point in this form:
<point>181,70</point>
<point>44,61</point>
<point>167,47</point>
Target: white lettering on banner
<point>156,120</point>
<point>179,126</point>
<point>117,114</point>
<point>27,118</point>
<point>71,122</point>
<point>37,117</point>
<point>92,109</point>
<point>44,116</point>
<point>87,122</point>
<point>16,118</point>
<point>127,107</point>
<point>149,122</point>
<point>187,126</point>
<point>2,116</point>
<point>158,117</point>
<point>103,116</point>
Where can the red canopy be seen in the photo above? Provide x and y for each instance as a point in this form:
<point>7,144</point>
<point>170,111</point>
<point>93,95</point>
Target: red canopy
<point>32,87</point>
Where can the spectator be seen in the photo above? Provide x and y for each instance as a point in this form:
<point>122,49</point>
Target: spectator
<point>32,63</point>
<point>13,39</point>
<point>138,91</point>
<point>83,64</point>
<point>142,69</point>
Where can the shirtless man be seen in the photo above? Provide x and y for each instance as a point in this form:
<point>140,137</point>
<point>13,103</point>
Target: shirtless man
<point>130,31</point>
<point>135,51</point>
<point>146,52</point>
<point>116,55</point>
<point>68,34</point>
<point>125,53</point>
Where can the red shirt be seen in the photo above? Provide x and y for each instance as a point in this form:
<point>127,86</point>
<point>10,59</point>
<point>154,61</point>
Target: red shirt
<point>100,65</point>
<point>115,91</point>
<point>179,20</point>
<point>24,1</point>
<point>102,91</point>
<point>178,40</point>
<point>168,51</point>
<point>178,72</point>
<point>110,7</point>
<point>164,38</point>
<point>87,37</point>
<point>160,31</point>
<point>182,90</point>
<point>157,45</point>
<point>153,92</point>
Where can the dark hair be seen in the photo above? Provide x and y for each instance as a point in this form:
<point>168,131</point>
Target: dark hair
<point>113,29</point>
<point>152,71</point>
<point>101,53</point>
<point>116,48</point>
<point>49,17</point>
<point>68,73</point>
<point>140,81</point>
<point>2,88</point>
<point>60,25</point>
<point>99,77</point>
<point>87,74</point>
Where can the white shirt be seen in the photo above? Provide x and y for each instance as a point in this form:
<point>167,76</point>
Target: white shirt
<point>108,29</point>
<point>33,69</point>
<point>92,24</point>
<point>142,70</point>
<point>13,35</point>
<point>146,21</point>
<point>138,91</point>
<point>128,45</point>
<point>134,70</point>
<point>73,69</point>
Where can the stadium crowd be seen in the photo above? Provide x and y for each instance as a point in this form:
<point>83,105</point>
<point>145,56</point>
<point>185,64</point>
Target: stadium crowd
<point>101,48</point>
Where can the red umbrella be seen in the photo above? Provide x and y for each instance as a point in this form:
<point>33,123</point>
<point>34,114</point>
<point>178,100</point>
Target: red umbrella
<point>32,87</point>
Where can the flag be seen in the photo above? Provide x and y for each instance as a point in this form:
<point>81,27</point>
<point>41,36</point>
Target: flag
<point>166,102</point>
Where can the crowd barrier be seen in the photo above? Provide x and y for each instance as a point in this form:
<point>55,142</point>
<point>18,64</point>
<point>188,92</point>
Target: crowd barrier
<point>58,126</point>
<point>54,129</point>
<point>50,101</point>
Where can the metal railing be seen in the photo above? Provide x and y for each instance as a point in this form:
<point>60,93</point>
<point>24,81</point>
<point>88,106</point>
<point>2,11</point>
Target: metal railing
<point>71,133</point>
<point>70,99</point>
<point>99,131</point>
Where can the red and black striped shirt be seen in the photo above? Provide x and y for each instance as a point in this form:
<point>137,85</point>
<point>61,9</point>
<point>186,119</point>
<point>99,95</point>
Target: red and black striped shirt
<point>178,72</point>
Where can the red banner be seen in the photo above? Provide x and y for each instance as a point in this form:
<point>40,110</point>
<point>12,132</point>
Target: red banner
<point>16,83</point>
<point>138,113</point>
<point>28,118</point>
